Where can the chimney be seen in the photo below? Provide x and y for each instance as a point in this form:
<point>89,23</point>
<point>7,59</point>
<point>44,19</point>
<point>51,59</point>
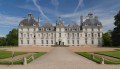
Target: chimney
<point>96,17</point>
<point>90,15</point>
<point>39,20</point>
<point>29,16</point>
<point>81,19</point>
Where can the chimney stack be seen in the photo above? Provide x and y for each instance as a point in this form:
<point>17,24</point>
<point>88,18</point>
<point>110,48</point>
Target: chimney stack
<point>39,20</point>
<point>81,19</point>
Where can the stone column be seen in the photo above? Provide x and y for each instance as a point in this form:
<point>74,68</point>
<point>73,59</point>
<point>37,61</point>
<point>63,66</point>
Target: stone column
<point>24,61</point>
<point>102,60</point>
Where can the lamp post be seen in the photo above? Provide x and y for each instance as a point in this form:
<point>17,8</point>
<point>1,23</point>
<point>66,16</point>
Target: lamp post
<point>12,55</point>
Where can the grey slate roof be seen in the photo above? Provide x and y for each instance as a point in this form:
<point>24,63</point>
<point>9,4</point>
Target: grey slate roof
<point>73,25</point>
<point>28,22</point>
<point>92,22</point>
<point>47,25</point>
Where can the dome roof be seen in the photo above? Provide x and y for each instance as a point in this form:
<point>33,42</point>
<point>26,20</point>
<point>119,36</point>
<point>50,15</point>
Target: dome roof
<point>29,22</point>
<point>92,22</point>
<point>73,25</point>
<point>47,25</point>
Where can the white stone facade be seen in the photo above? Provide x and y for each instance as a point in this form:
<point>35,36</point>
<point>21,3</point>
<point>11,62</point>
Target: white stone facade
<point>89,33</point>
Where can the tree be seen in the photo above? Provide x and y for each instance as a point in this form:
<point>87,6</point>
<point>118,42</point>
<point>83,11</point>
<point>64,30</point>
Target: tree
<point>12,37</point>
<point>2,41</point>
<point>106,38</point>
<point>116,31</point>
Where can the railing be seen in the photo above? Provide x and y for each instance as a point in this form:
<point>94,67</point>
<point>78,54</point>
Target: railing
<point>25,60</point>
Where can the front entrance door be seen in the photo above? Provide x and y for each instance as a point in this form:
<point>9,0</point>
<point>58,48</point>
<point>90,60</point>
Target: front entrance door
<point>59,42</point>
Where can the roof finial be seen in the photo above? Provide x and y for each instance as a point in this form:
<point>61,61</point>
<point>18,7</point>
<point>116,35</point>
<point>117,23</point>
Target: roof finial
<point>29,14</point>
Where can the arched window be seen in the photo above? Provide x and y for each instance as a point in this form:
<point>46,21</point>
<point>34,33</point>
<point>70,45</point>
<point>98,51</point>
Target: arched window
<point>34,41</point>
<point>34,29</point>
<point>21,41</point>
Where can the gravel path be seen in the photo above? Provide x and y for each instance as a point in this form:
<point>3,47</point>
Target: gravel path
<point>61,58</point>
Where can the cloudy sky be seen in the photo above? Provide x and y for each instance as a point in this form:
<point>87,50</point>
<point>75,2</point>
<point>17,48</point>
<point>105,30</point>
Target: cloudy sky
<point>13,11</point>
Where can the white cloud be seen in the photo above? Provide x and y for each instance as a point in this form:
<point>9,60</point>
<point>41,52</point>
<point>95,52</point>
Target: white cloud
<point>80,2</point>
<point>6,20</point>
<point>40,9</point>
<point>29,7</point>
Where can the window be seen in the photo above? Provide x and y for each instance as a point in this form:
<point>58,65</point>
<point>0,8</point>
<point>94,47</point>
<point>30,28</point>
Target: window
<point>85,41</point>
<point>47,35</point>
<point>39,35</point>
<point>34,42</point>
<point>81,35</point>
<point>21,41</point>
<point>98,34</point>
<point>98,29</point>
<point>42,35</point>
<point>31,35</point>
<point>42,42</point>
<point>92,34</point>
<point>59,34</point>
<point>73,35</point>
<point>78,42</point>
<point>21,29</point>
<point>78,35</point>
<point>92,42</point>
<point>88,35</point>
<point>95,35</point>
<point>24,35</point>
<point>46,41</point>
<point>73,41</point>
<point>68,42</point>
<point>34,29</point>
<point>52,35</point>
<point>60,29</point>
<point>98,42</point>
<point>68,35</point>
<point>28,29</point>
<point>86,29</point>
<point>85,34</point>
<point>28,35</point>
<point>34,36</point>
<point>27,41</point>
<point>92,29</point>
<point>51,41</point>
<point>21,34</point>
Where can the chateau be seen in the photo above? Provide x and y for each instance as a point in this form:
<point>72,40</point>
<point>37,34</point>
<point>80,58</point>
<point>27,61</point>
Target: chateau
<point>88,33</point>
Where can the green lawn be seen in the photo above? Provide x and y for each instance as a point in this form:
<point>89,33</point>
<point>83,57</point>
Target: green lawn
<point>7,54</point>
<point>96,59</point>
<point>115,54</point>
<point>20,61</point>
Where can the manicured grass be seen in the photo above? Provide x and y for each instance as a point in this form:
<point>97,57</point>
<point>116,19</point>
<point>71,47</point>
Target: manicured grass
<point>89,56</point>
<point>7,54</point>
<point>115,54</point>
<point>96,59</point>
<point>36,55</point>
<point>20,61</point>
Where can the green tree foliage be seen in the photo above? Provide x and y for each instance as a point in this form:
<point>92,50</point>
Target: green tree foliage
<point>12,37</point>
<point>116,31</point>
<point>2,41</point>
<point>106,38</point>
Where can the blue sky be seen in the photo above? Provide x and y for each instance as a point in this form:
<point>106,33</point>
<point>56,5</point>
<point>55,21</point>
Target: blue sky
<point>13,11</point>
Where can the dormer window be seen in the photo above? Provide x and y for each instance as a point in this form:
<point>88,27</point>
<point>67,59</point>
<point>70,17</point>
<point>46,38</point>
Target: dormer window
<point>21,24</point>
<point>86,24</point>
<point>21,29</point>
<point>34,24</point>
<point>34,29</point>
<point>98,24</point>
<point>28,29</point>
